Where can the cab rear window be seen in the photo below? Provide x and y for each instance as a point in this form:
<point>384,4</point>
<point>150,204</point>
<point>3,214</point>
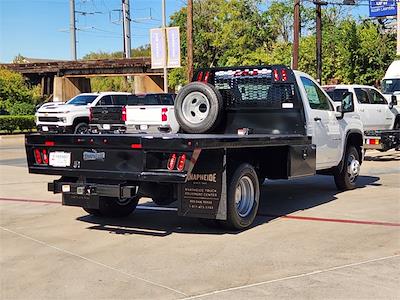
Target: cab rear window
<point>336,94</point>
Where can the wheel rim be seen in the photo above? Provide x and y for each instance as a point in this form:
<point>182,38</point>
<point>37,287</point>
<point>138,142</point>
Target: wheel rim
<point>244,196</point>
<point>81,130</point>
<point>195,107</point>
<point>353,168</point>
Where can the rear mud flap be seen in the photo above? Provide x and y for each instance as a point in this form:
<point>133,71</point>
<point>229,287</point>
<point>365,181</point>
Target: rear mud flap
<point>204,194</point>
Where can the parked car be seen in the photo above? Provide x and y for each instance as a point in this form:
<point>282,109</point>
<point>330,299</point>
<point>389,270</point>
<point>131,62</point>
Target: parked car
<point>380,118</point>
<point>151,113</point>
<point>72,116</point>
<point>278,124</point>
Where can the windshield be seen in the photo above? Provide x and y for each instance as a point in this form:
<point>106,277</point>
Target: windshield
<point>82,99</point>
<point>389,86</point>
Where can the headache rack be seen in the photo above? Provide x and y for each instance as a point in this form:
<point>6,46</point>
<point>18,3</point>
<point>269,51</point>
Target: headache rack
<point>267,86</point>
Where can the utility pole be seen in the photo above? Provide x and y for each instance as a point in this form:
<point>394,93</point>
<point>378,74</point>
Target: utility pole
<point>398,27</point>
<point>72,28</point>
<point>318,4</point>
<point>164,26</point>
<point>189,38</point>
<point>126,25</point>
<point>296,35</point>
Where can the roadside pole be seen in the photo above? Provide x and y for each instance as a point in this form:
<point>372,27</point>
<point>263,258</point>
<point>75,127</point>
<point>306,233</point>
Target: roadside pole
<point>126,22</point>
<point>189,38</point>
<point>296,35</point>
<point>164,25</point>
<point>318,53</point>
<point>72,28</point>
<point>398,27</point>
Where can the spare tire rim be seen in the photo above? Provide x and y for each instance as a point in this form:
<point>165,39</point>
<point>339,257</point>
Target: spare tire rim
<point>195,107</point>
<point>244,196</point>
<point>353,168</point>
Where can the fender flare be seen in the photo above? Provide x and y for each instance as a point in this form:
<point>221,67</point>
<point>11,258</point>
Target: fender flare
<point>351,132</point>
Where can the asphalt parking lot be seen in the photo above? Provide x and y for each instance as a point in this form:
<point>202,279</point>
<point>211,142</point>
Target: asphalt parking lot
<point>309,241</point>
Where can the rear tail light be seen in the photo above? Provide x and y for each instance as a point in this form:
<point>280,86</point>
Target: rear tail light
<point>181,162</point>
<point>206,77</point>
<point>90,114</point>
<point>200,76</point>
<point>123,113</point>
<point>171,162</point>
<point>276,75</point>
<point>45,157</point>
<point>284,75</point>
<point>38,156</point>
<point>164,116</point>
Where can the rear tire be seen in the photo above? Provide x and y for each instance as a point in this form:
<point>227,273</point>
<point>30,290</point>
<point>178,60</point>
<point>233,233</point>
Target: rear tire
<point>92,211</point>
<point>198,107</point>
<point>243,198</point>
<point>114,207</point>
<point>345,179</point>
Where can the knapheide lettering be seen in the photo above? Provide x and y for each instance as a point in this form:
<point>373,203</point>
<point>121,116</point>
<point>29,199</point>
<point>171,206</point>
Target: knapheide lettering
<point>203,177</point>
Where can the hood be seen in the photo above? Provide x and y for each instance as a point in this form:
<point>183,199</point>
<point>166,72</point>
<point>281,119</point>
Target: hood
<point>60,108</point>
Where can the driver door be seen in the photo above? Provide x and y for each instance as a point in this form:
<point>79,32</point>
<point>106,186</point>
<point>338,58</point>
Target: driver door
<point>325,127</point>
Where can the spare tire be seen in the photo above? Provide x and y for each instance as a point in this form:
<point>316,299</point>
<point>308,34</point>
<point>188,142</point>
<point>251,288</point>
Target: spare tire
<point>198,107</point>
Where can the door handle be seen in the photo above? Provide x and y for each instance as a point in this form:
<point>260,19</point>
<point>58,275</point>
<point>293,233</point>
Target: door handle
<point>316,119</point>
<point>362,110</point>
<point>379,110</point>
<point>143,108</point>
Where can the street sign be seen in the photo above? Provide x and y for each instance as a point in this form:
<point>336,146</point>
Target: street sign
<point>157,41</point>
<point>174,47</point>
<point>160,57</point>
<point>382,8</point>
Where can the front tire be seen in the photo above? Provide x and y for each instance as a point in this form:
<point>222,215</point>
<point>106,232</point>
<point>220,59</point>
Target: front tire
<point>81,128</point>
<point>345,179</point>
<point>243,198</point>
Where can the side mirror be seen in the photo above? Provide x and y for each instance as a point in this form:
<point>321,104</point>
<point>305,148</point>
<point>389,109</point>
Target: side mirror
<point>339,112</point>
<point>347,104</point>
<point>393,101</point>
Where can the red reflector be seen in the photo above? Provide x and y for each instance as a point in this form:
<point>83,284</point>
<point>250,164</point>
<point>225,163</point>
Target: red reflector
<point>200,76</point>
<point>164,116</point>
<point>181,162</point>
<point>206,77</point>
<point>284,75</point>
<point>276,75</point>
<point>136,146</point>
<point>38,157</point>
<point>49,143</point>
<point>45,157</point>
<point>123,114</point>
<point>171,162</point>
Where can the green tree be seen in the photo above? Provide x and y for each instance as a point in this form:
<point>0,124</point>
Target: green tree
<point>16,97</point>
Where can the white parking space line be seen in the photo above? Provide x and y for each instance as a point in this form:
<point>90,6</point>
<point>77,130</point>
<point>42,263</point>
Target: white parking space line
<point>93,261</point>
<point>293,277</point>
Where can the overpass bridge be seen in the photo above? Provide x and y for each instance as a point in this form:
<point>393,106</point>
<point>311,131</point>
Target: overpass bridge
<point>65,79</point>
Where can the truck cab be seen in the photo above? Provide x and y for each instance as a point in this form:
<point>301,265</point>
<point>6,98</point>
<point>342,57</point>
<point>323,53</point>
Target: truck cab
<point>375,111</point>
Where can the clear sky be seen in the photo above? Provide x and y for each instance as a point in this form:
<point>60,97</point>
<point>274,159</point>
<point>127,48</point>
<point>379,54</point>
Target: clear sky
<point>39,28</point>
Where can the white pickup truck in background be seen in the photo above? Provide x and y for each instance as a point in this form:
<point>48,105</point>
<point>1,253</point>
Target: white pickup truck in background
<point>72,116</point>
<point>150,113</point>
<point>380,117</point>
